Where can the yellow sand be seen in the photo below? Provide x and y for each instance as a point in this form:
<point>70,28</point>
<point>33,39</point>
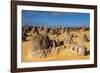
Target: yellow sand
<point>64,55</point>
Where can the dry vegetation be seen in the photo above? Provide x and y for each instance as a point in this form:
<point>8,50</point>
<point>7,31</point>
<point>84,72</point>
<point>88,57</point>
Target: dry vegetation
<point>57,43</point>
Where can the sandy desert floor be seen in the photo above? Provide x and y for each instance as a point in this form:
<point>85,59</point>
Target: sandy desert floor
<point>64,55</point>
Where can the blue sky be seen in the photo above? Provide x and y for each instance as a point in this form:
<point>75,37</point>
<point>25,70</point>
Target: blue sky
<point>49,18</point>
